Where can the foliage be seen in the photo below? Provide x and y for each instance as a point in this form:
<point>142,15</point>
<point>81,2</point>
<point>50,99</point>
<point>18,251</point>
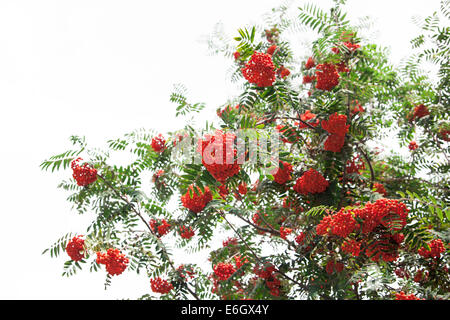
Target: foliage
<point>276,251</point>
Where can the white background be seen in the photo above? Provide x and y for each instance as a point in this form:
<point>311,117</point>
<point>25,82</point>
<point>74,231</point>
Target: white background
<point>101,69</point>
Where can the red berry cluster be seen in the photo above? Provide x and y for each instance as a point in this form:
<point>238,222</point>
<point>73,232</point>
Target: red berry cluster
<point>198,201</point>
<point>436,248</point>
<point>75,248</point>
<point>272,35</point>
<point>383,212</point>
<point>380,188</point>
<point>327,76</point>
<point>114,261</point>
<point>284,232</point>
<point>355,165</point>
<point>160,227</point>
<point>356,107</point>
<point>161,286</point>
<point>242,188</point>
<point>84,174</point>
<point>311,182</point>
<point>158,174</point>
<point>444,134</point>
<point>239,261</point>
<point>224,271</point>
<point>268,274</point>
<point>219,155</point>
<point>308,79</point>
<point>352,247</point>
<point>186,272</point>
<point>306,117</point>
<point>283,72</point>
<point>404,296</point>
<point>159,143</point>
<point>340,224</point>
<point>223,191</point>
<point>420,111</point>
<point>282,175</point>
<point>271,49</point>
<point>230,242</point>
<point>260,70</point>
<point>384,217</point>
<point>310,63</point>
<point>352,46</point>
<point>186,232</point>
<point>338,128</point>
<point>300,238</point>
<point>413,146</point>
<point>333,266</point>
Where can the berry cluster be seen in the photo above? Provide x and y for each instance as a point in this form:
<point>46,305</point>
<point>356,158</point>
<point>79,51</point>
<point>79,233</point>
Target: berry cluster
<point>186,232</point>
<point>271,50</point>
<point>160,227</point>
<point>355,165</point>
<point>436,248</point>
<point>338,128</point>
<point>311,182</point>
<point>268,274</point>
<point>420,111</point>
<point>224,271</point>
<point>310,63</point>
<point>333,266</point>
<point>337,124</point>
<point>404,296</point>
<point>198,201</point>
<point>306,117</point>
<point>380,188</point>
<point>161,286</point>
<point>444,134</point>
<point>352,247</point>
<point>114,261</point>
<point>384,217</point>
<point>84,174</point>
<point>308,79</point>
<point>242,188</point>
<point>327,76</point>
<point>283,72</point>
<point>340,224</point>
<point>75,248</point>
<point>389,213</point>
<point>158,143</point>
<point>300,238</point>
<point>351,46</point>
<point>186,271</point>
<point>356,107</point>
<point>230,242</point>
<point>260,70</point>
<point>284,232</point>
<point>413,146</point>
<point>282,174</point>
<point>219,155</point>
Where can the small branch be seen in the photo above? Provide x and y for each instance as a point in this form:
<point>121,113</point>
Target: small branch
<point>137,212</point>
<point>259,259</point>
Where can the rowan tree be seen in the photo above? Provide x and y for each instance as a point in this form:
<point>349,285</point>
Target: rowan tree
<point>326,215</point>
